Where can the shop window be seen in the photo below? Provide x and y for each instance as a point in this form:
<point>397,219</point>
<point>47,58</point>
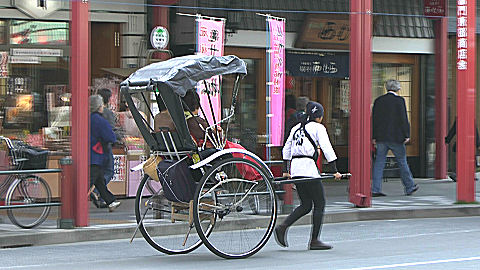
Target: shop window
<point>243,128</point>
<point>38,32</point>
<point>337,116</point>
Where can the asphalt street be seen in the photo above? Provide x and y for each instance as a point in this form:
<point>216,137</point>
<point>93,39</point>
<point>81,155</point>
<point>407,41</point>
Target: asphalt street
<point>441,243</point>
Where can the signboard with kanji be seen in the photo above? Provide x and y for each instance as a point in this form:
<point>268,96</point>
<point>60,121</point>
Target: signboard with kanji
<point>435,8</point>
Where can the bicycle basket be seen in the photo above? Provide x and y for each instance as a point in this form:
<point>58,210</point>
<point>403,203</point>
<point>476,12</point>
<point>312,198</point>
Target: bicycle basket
<point>31,158</point>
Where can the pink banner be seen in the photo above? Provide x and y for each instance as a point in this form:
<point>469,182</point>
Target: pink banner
<point>210,37</point>
<point>276,80</point>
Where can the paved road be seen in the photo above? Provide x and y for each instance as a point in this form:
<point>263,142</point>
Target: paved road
<point>447,243</point>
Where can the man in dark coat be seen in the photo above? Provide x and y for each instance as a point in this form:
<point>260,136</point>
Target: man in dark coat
<point>391,131</point>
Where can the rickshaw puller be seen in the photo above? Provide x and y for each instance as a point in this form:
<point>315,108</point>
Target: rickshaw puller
<point>301,148</point>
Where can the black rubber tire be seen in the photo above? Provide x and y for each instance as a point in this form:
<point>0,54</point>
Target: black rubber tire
<point>269,229</point>
<point>45,211</point>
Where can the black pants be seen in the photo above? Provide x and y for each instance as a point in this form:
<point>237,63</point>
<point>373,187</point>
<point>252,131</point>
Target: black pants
<point>97,178</point>
<point>309,193</point>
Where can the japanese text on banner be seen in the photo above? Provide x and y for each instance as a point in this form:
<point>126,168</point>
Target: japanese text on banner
<point>277,80</point>
<point>210,41</point>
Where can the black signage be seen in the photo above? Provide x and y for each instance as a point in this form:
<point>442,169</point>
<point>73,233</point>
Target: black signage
<point>313,64</point>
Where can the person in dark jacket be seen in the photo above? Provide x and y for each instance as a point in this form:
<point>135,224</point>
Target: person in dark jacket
<point>391,131</point>
<point>101,134</point>
<point>451,134</point>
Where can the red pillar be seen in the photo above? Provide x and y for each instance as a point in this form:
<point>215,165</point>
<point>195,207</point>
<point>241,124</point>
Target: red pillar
<point>66,220</point>
<point>79,76</point>
<point>441,74</point>
<point>360,100</point>
<point>466,21</point>
<point>161,18</point>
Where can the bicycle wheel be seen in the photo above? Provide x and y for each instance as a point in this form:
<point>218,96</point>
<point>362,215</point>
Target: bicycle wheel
<point>167,229</point>
<point>28,190</point>
<point>244,204</point>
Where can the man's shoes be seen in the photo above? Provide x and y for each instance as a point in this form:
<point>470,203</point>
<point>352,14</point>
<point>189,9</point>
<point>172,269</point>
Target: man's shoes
<point>113,206</point>
<point>415,188</point>
<point>319,245</point>
<point>378,194</point>
<point>102,204</point>
<point>281,235</point>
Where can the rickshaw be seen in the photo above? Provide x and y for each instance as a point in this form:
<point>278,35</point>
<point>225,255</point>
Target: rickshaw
<point>234,207</point>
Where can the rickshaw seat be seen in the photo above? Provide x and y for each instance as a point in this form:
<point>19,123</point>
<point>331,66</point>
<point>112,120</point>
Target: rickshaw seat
<point>168,141</point>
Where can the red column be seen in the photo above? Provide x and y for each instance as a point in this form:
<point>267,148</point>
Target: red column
<point>441,74</point>
<point>466,100</point>
<point>66,220</point>
<point>161,18</point>
<point>79,76</point>
<point>360,100</point>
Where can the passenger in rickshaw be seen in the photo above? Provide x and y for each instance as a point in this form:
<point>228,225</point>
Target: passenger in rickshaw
<point>196,124</point>
<point>163,119</point>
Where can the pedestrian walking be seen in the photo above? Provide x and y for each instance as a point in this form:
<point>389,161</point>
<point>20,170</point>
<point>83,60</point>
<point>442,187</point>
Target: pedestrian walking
<point>101,134</point>
<point>391,131</point>
<point>108,166</point>
<point>300,153</point>
<point>448,139</point>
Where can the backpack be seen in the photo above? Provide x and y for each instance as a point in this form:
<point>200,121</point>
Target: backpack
<point>176,179</point>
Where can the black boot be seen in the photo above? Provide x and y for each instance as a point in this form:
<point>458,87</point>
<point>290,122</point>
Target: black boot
<point>318,245</point>
<point>281,235</point>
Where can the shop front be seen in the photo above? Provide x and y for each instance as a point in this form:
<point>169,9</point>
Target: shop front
<point>317,66</point>
<point>35,91</point>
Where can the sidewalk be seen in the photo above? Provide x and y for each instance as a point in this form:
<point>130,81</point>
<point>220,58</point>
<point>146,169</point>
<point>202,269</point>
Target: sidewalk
<point>435,198</point>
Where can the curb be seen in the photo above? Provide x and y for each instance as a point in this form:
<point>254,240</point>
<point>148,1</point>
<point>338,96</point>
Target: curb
<point>125,231</point>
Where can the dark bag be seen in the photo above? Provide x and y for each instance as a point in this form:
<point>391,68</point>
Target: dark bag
<point>176,179</point>
<point>35,158</point>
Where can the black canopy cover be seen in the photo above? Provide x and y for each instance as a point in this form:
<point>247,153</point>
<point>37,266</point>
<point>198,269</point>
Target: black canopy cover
<point>183,73</point>
<point>173,78</point>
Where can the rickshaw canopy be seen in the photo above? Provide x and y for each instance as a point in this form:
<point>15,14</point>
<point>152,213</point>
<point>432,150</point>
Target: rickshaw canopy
<point>183,73</point>
<point>170,80</point>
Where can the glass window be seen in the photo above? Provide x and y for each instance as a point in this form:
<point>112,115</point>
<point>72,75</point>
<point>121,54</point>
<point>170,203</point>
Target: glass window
<point>338,121</point>
<point>36,32</point>
<point>243,128</point>
<point>401,72</point>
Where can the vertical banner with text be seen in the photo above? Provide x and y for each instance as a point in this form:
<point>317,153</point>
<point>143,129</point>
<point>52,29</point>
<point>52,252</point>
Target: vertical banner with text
<point>210,38</point>
<point>275,80</point>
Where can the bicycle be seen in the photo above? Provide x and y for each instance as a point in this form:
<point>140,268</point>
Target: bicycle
<point>27,196</point>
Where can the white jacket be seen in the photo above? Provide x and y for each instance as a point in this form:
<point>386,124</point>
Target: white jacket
<point>298,144</point>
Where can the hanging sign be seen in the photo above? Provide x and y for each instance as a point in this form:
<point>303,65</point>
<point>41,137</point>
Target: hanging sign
<point>435,7</point>
<point>119,168</point>
<point>317,64</point>
<point>276,80</point>
<point>210,41</point>
<point>159,37</point>
<point>462,35</point>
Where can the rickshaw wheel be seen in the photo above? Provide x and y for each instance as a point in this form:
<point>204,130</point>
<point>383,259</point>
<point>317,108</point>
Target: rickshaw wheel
<point>243,199</point>
<point>164,233</point>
